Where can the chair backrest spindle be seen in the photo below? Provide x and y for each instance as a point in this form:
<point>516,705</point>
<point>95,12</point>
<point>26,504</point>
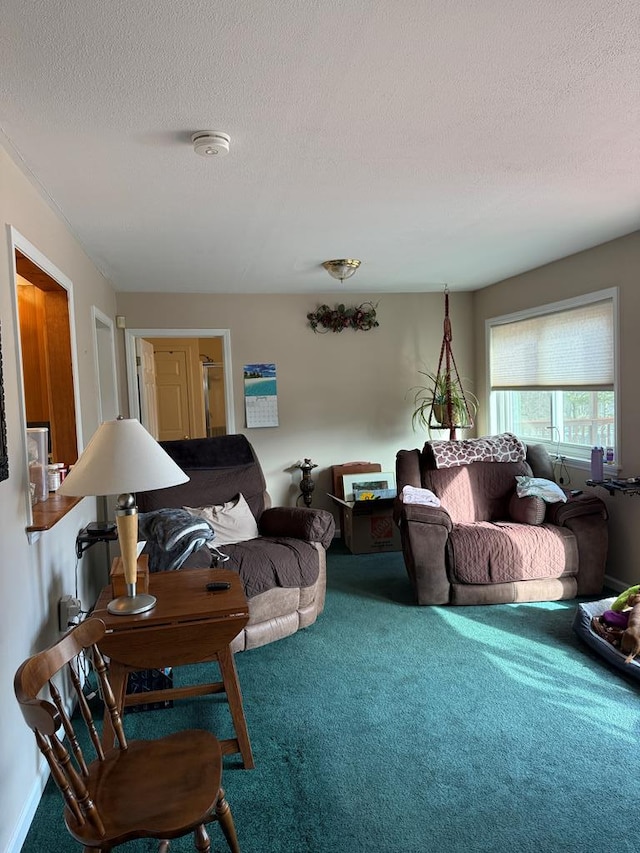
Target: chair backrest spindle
<point>78,788</point>
<point>108,697</point>
<point>68,727</point>
<point>46,748</point>
<point>86,712</point>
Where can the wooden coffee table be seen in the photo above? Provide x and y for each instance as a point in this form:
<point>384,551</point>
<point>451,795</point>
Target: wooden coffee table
<point>187,625</point>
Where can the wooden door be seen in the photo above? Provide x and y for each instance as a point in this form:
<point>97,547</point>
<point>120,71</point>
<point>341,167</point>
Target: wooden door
<point>147,386</point>
<point>173,395</point>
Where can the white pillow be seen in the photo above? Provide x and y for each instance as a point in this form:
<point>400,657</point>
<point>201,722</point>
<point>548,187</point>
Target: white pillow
<point>540,488</point>
<point>231,522</point>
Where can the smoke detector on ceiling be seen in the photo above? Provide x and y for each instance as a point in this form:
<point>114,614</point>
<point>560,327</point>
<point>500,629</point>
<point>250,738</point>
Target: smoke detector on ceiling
<point>211,143</point>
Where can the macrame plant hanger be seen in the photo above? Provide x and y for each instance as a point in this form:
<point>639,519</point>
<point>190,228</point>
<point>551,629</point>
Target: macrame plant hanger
<point>447,376</point>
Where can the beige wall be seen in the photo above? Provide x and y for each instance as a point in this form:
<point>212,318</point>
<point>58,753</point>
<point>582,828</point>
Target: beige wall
<point>33,577</point>
<point>341,397</point>
<point>614,264</point>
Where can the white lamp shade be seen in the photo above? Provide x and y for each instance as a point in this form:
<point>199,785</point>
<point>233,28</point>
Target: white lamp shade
<point>121,457</point>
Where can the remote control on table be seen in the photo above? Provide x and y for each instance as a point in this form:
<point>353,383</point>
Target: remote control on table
<point>218,586</point>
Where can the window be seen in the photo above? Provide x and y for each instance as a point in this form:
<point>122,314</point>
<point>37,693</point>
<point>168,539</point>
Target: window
<point>552,374</point>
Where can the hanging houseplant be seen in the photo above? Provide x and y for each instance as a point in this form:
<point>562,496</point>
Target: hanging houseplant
<point>444,404</point>
<point>436,397</point>
<point>359,317</point>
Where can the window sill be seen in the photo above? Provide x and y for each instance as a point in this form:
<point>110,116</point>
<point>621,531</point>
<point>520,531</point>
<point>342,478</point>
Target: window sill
<point>47,513</point>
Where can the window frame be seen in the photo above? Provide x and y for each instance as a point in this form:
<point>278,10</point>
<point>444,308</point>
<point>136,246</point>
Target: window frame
<point>556,448</point>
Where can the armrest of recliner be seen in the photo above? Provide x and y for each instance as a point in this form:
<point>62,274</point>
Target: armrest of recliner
<point>586,517</point>
<point>421,514</point>
<point>424,531</point>
<point>311,525</point>
<point>576,507</point>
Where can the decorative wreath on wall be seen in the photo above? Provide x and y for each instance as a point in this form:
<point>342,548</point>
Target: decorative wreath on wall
<point>325,319</point>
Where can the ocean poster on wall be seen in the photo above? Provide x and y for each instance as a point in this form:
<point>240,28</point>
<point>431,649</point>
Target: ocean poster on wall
<point>260,395</point>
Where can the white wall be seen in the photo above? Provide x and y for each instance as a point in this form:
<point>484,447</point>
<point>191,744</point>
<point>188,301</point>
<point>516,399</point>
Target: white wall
<point>33,577</point>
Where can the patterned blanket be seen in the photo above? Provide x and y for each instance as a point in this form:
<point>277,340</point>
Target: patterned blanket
<point>494,448</point>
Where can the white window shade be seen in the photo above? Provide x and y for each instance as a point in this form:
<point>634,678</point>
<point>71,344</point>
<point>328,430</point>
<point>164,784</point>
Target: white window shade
<point>564,350</point>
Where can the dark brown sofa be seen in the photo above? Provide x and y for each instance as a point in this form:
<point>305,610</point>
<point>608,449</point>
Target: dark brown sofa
<point>284,570</point>
<point>469,550</point>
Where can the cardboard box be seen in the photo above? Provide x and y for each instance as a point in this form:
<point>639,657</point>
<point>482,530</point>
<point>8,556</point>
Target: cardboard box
<point>338,472</point>
<point>368,526</point>
<point>118,585</point>
<point>337,486</point>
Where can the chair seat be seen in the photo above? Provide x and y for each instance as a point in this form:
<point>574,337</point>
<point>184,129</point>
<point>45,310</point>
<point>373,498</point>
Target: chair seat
<point>503,552</point>
<point>130,788</point>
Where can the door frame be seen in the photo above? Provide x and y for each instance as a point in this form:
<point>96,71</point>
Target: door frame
<point>132,378</point>
<point>104,358</point>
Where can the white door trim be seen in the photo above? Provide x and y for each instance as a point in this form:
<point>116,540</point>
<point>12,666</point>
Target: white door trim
<point>97,316</point>
<point>130,358</point>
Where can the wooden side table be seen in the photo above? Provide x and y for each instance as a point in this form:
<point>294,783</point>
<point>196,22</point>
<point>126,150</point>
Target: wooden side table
<point>189,624</point>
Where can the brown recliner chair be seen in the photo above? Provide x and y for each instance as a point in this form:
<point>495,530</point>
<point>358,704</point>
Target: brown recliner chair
<point>284,569</point>
<point>470,550</point>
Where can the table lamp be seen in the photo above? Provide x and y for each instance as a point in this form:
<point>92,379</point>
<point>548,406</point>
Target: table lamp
<point>123,458</point>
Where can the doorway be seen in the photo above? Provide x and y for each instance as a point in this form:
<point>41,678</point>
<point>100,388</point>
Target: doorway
<point>192,381</point>
<point>104,353</point>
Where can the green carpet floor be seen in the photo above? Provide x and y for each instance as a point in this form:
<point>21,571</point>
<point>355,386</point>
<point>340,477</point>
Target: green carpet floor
<point>390,727</point>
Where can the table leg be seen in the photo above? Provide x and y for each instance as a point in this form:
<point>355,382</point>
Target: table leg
<point>118,677</point>
<point>234,697</point>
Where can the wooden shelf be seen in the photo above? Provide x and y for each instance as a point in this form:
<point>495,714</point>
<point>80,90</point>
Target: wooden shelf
<point>47,513</point>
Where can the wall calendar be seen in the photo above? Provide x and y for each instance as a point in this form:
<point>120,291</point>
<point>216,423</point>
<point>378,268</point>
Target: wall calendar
<point>260,395</point>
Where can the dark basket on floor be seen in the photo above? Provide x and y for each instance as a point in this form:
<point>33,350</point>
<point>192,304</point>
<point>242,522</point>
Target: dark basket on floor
<point>147,680</point>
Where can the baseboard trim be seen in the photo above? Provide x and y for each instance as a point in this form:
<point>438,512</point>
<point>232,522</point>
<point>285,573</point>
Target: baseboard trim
<point>28,812</point>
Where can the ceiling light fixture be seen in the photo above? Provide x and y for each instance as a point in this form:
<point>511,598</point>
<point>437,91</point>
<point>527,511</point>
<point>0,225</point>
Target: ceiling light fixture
<point>209,143</point>
<point>341,268</point>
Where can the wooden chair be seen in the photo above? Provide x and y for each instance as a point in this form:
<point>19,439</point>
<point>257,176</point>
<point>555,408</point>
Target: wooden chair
<point>160,789</point>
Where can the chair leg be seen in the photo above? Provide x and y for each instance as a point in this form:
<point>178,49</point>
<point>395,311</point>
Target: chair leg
<point>225,819</point>
<point>164,845</point>
<point>203,842</point>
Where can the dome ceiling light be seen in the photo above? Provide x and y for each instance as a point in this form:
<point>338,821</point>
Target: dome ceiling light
<point>341,268</point>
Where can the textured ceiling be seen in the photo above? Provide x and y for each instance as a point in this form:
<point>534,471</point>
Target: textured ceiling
<point>438,141</point>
